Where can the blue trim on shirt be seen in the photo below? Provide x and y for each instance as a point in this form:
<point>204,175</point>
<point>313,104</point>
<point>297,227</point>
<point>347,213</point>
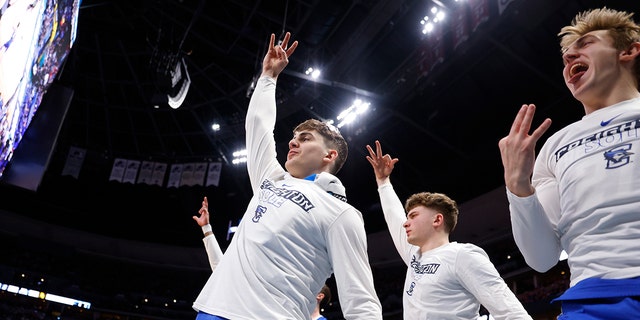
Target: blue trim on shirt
<point>602,288</point>
<point>205,316</point>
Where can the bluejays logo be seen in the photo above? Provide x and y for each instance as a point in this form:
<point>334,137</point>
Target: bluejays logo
<point>411,287</point>
<point>420,270</point>
<point>618,157</point>
<point>260,210</point>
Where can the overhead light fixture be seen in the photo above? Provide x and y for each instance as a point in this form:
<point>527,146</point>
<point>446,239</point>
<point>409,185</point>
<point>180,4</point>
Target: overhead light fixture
<point>350,114</point>
<point>314,73</point>
<point>239,157</point>
<point>436,15</point>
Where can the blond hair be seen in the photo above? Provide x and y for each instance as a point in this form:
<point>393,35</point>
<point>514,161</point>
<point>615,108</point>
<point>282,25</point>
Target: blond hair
<point>621,27</point>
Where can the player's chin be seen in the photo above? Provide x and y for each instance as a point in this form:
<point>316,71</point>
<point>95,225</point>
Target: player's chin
<point>289,163</point>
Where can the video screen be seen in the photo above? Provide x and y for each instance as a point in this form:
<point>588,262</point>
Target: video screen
<point>36,37</point>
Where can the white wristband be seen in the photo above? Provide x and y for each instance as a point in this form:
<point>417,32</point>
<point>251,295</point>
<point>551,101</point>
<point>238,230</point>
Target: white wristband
<point>206,228</point>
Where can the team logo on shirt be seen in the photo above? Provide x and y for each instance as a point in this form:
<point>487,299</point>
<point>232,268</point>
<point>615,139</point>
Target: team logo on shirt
<point>260,210</point>
<point>618,156</point>
<point>604,123</point>
<point>277,196</point>
<point>418,268</point>
<point>411,287</point>
<point>606,138</point>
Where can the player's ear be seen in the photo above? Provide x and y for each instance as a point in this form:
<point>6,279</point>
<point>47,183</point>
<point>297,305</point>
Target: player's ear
<point>631,53</point>
<point>331,155</point>
<point>438,219</point>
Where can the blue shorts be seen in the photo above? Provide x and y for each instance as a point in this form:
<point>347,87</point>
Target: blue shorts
<point>205,316</point>
<point>622,308</point>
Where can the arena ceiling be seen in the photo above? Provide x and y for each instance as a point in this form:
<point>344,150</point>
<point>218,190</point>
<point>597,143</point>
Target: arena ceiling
<point>438,103</point>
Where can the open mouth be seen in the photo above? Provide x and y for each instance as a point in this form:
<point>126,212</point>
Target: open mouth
<point>577,68</point>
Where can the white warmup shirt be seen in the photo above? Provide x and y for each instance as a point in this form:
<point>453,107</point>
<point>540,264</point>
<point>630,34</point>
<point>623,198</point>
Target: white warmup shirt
<point>448,282</point>
<point>292,237</point>
<point>587,199</point>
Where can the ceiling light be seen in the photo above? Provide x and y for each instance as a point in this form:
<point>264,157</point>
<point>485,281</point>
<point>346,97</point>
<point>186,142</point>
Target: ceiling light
<point>436,14</point>
<point>239,157</point>
<point>350,114</point>
<point>314,73</point>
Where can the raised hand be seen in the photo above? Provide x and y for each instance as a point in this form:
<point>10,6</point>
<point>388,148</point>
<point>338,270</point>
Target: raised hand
<point>277,56</point>
<point>518,151</point>
<point>382,164</point>
<point>203,218</point>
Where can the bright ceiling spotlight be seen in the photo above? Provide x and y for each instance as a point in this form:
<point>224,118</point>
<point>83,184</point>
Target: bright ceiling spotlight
<point>314,73</point>
<point>427,28</point>
<point>436,15</point>
<point>351,114</point>
<point>239,157</point>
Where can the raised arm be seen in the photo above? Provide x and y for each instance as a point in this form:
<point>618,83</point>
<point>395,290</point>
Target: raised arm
<point>262,160</point>
<point>392,208</point>
<point>530,206</point>
<point>214,253</point>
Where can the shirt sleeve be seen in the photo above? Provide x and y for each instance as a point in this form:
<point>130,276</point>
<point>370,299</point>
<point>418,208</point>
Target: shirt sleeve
<point>534,220</point>
<point>262,159</point>
<point>347,247</point>
<point>395,217</point>
<point>480,277</point>
<point>214,253</point>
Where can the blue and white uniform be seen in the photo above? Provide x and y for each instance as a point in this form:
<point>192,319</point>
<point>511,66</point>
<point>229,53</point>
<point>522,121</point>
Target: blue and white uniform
<point>293,236</point>
<point>587,202</point>
<point>448,282</point>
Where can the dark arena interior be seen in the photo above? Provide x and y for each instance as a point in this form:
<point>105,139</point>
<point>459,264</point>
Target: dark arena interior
<point>440,102</point>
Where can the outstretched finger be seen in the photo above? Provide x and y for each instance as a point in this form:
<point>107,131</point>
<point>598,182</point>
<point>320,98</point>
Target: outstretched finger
<point>515,126</point>
<point>371,153</point>
<point>530,111</point>
<point>289,51</point>
<point>285,40</point>
<point>272,41</point>
<point>373,160</point>
<point>541,129</point>
<point>378,149</point>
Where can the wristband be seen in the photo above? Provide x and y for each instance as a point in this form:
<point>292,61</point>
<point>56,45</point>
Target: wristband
<point>206,229</point>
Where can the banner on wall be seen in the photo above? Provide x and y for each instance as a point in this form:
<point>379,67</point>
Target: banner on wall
<point>146,172</point>
<point>213,174</point>
<point>131,171</point>
<point>159,171</point>
<point>117,171</point>
<point>75,158</point>
<point>174,176</point>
